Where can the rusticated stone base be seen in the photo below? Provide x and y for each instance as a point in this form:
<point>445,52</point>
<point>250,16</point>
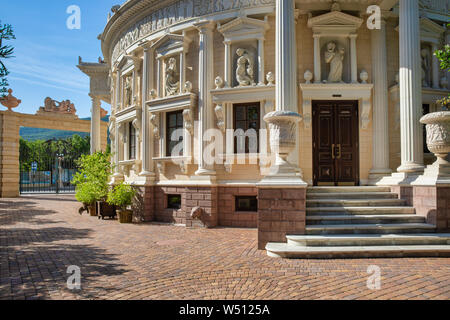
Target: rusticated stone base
<point>228,216</point>
<point>282,212</point>
<point>434,204</point>
<point>204,198</point>
<point>405,193</point>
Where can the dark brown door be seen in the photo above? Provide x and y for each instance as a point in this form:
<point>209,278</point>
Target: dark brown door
<point>335,143</point>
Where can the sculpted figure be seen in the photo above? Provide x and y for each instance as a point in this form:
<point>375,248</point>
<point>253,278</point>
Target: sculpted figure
<point>335,58</point>
<point>244,71</point>
<point>128,91</point>
<point>425,66</point>
<point>172,78</point>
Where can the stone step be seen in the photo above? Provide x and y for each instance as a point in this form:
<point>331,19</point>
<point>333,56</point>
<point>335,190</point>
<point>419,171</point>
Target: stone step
<point>347,189</point>
<point>352,195</point>
<point>354,203</point>
<point>369,240</point>
<point>364,219</point>
<point>370,228</point>
<point>334,211</point>
<point>283,250</point>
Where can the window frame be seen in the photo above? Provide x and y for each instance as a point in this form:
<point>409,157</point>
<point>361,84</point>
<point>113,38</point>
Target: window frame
<point>178,113</point>
<point>132,142</point>
<point>251,208</point>
<point>257,106</point>
<point>168,197</point>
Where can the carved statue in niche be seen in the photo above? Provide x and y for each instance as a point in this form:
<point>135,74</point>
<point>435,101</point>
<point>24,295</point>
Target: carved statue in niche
<point>172,78</point>
<point>335,57</point>
<point>425,55</point>
<point>128,92</point>
<point>245,69</point>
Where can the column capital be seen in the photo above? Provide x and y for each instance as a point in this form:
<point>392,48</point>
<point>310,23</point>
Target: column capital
<point>317,35</point>
<point>205,26</point>
<point>353,36</point>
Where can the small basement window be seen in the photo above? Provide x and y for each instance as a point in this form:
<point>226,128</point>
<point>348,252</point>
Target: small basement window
<point>174,201</point>
<point>247,204</point>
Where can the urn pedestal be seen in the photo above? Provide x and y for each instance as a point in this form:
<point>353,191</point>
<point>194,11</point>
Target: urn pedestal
<point>283,136</point>
<point>438,142</point>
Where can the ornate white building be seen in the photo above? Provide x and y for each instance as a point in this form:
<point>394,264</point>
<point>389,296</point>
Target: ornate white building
<point>328,93</point>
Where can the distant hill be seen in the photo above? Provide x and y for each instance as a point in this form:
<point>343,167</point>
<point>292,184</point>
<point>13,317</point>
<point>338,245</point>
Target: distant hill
<point>33,134</point>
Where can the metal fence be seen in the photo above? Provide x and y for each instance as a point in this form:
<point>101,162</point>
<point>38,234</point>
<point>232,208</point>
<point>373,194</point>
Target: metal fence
<point>50,176</point>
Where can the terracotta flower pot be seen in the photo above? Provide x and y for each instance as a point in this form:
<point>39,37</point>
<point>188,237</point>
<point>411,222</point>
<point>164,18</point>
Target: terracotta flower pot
<point>125,216</point>
<point>93,210</point>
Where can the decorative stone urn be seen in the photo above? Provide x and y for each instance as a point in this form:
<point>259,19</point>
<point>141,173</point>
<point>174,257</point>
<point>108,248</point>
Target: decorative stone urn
<point>10,101</point>
<point>282,126</point>
<point>438,137</point>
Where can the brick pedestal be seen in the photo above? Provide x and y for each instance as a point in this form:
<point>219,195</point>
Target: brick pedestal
<point>282,212</point>
<point>207,199</point>
<point>433,203</point>
<point>144,204</point>
<point>404,193</point>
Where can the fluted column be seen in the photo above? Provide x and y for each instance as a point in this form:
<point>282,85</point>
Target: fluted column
<point>317,60</point>
<point>227,73</point>
<point>205,82</point>
<point>410,89</point>
<point>353,58</point>
<point>147,145</point>
<point>261,75</point>
<point>95,125</point>
<point>380,106</point>
<point>286,57</point>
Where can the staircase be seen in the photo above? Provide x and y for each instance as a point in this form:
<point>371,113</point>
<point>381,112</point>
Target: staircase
<point>361,222</point>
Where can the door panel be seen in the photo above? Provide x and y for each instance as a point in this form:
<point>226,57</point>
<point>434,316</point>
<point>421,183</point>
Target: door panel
<point>335,143</point>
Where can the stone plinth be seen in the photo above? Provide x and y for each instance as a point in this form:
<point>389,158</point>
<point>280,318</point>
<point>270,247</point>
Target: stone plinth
<point>282,212</point>
<point>433,203</point>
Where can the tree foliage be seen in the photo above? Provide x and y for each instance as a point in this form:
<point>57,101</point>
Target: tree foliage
<point>444,57</point>
<point>44,152</point>
<point>6,51</point>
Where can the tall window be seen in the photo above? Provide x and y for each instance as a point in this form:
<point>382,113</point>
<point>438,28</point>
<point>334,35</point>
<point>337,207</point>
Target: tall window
<point>425,110</point>
<point>174,123</point>
<point>132,142</point>
<point>246,118</point>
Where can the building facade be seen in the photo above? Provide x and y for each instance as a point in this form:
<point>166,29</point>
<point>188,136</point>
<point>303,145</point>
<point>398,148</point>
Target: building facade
<point>218,105</point>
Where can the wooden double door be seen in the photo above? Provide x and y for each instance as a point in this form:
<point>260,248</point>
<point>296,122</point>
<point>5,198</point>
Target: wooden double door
<point>336,143</point>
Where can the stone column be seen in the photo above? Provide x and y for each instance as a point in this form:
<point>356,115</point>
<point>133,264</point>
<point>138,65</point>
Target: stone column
<point>281,210</point>
<point>227,74</point>
<point>410,89</point>
<point>317,60</point>
<point>380,106</point>
<point>435,67</point>
<point>95,125</point>
<point>205,82</point>
<point>182,71</point>
<point>147,144</point>
<point>158,79</point>
<point>261,75</point>
<point>118,176</point>
<point>353,58</point>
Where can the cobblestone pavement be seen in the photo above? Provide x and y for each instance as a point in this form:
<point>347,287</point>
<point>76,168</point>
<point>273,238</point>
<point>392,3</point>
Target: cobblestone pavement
<point>40,236</point>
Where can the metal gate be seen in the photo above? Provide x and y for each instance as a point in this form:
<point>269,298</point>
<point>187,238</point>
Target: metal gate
<point>52,175</point>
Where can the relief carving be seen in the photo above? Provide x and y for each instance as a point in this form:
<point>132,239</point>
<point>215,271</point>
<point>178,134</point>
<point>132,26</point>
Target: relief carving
<point>53,107</point>
<point>128,92</point>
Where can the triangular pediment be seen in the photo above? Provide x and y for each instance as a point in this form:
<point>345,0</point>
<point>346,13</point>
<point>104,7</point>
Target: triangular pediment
<point>426,25</point>
<point>335,18</point>
<point>243,26</point>
<point>170,42</point>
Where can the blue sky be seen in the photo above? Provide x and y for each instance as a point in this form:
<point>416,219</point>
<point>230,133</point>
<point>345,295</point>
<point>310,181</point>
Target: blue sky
<point>46,51</point>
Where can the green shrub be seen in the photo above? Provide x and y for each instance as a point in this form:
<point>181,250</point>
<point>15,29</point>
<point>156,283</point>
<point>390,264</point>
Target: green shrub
<point>87,193</point>
<point>95,169</point>
<point>121,196</point>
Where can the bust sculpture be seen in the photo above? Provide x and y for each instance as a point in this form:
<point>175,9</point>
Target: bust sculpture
<point>172,78</point>
<point>335,57</point>
<point>244,70</point>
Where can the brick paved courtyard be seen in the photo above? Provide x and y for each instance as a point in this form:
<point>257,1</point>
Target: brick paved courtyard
<point>41,236</point>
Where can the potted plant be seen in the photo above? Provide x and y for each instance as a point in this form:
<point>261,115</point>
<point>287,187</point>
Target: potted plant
<point>122,196</point>
<point>87,195</point>
<point>96,170</point>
